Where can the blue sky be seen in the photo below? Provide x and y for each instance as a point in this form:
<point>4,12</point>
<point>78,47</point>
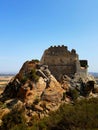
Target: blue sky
<point>28,27</point>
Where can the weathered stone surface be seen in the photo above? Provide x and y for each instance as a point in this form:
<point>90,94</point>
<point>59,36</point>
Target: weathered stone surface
<point>38,89</point>
<point>62,61</point>
<point>54,92</point>
<point>38,108</point>
<point>4,112</point>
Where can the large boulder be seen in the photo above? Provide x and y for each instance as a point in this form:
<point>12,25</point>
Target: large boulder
<point>54,92</point>
<point>36,88</point>
<point>25,79</point>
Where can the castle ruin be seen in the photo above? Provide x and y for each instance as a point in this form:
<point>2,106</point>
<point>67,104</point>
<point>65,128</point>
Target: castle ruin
<point>61,61</point>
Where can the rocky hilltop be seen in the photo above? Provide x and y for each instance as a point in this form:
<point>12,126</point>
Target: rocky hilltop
<point>42,86</point>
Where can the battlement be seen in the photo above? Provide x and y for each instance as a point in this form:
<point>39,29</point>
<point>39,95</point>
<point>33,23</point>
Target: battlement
<point>60,50</point>
<point>58,47</point>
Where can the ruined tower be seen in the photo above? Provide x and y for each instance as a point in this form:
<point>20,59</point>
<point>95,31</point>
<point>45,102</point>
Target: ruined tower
<point>61,61</point>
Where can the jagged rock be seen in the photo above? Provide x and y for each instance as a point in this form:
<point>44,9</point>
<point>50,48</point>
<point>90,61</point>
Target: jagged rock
<point>66,86</point>
<point>54,92</point>
<point>14,104</point>
<point>51,95</point>
<point>3,112</point>
<point>37,91</point>
<point>86,87</point>
<point>65,78</point>
<point>38,108</point>
<point>40,86</point>
<point>95,88</point>
<point>34,93</point>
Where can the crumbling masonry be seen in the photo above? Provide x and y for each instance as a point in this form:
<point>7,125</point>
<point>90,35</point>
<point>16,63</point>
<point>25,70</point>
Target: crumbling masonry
<point>61,61</point>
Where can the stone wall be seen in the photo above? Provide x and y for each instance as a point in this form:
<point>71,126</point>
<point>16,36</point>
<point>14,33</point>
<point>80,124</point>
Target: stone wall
<point>82,69</point>
<point>60,60</point>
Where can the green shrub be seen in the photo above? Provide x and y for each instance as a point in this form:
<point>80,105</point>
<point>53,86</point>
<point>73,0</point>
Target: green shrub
<point>35,60</point>
<point>2,105</point>
<point>83,115</point>
<point>75,94</point>
<point>33,76</point>
<point>24,79</point>
<point>14,120</point>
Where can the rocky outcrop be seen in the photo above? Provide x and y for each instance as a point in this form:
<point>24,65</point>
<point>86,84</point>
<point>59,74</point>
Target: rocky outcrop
<point>36,90</point>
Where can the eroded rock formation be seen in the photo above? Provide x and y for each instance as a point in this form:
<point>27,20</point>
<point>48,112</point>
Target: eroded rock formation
<point>42,86</point>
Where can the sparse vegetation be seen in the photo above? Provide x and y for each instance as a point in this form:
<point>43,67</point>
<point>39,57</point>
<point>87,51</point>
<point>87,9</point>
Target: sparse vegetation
<point>33,76</point>
<point>14,120</point>
<point>83,115</point>
<point>2,105</point>
<point>24,79</point>
<point>73,94</point>
<point>35,60</point>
